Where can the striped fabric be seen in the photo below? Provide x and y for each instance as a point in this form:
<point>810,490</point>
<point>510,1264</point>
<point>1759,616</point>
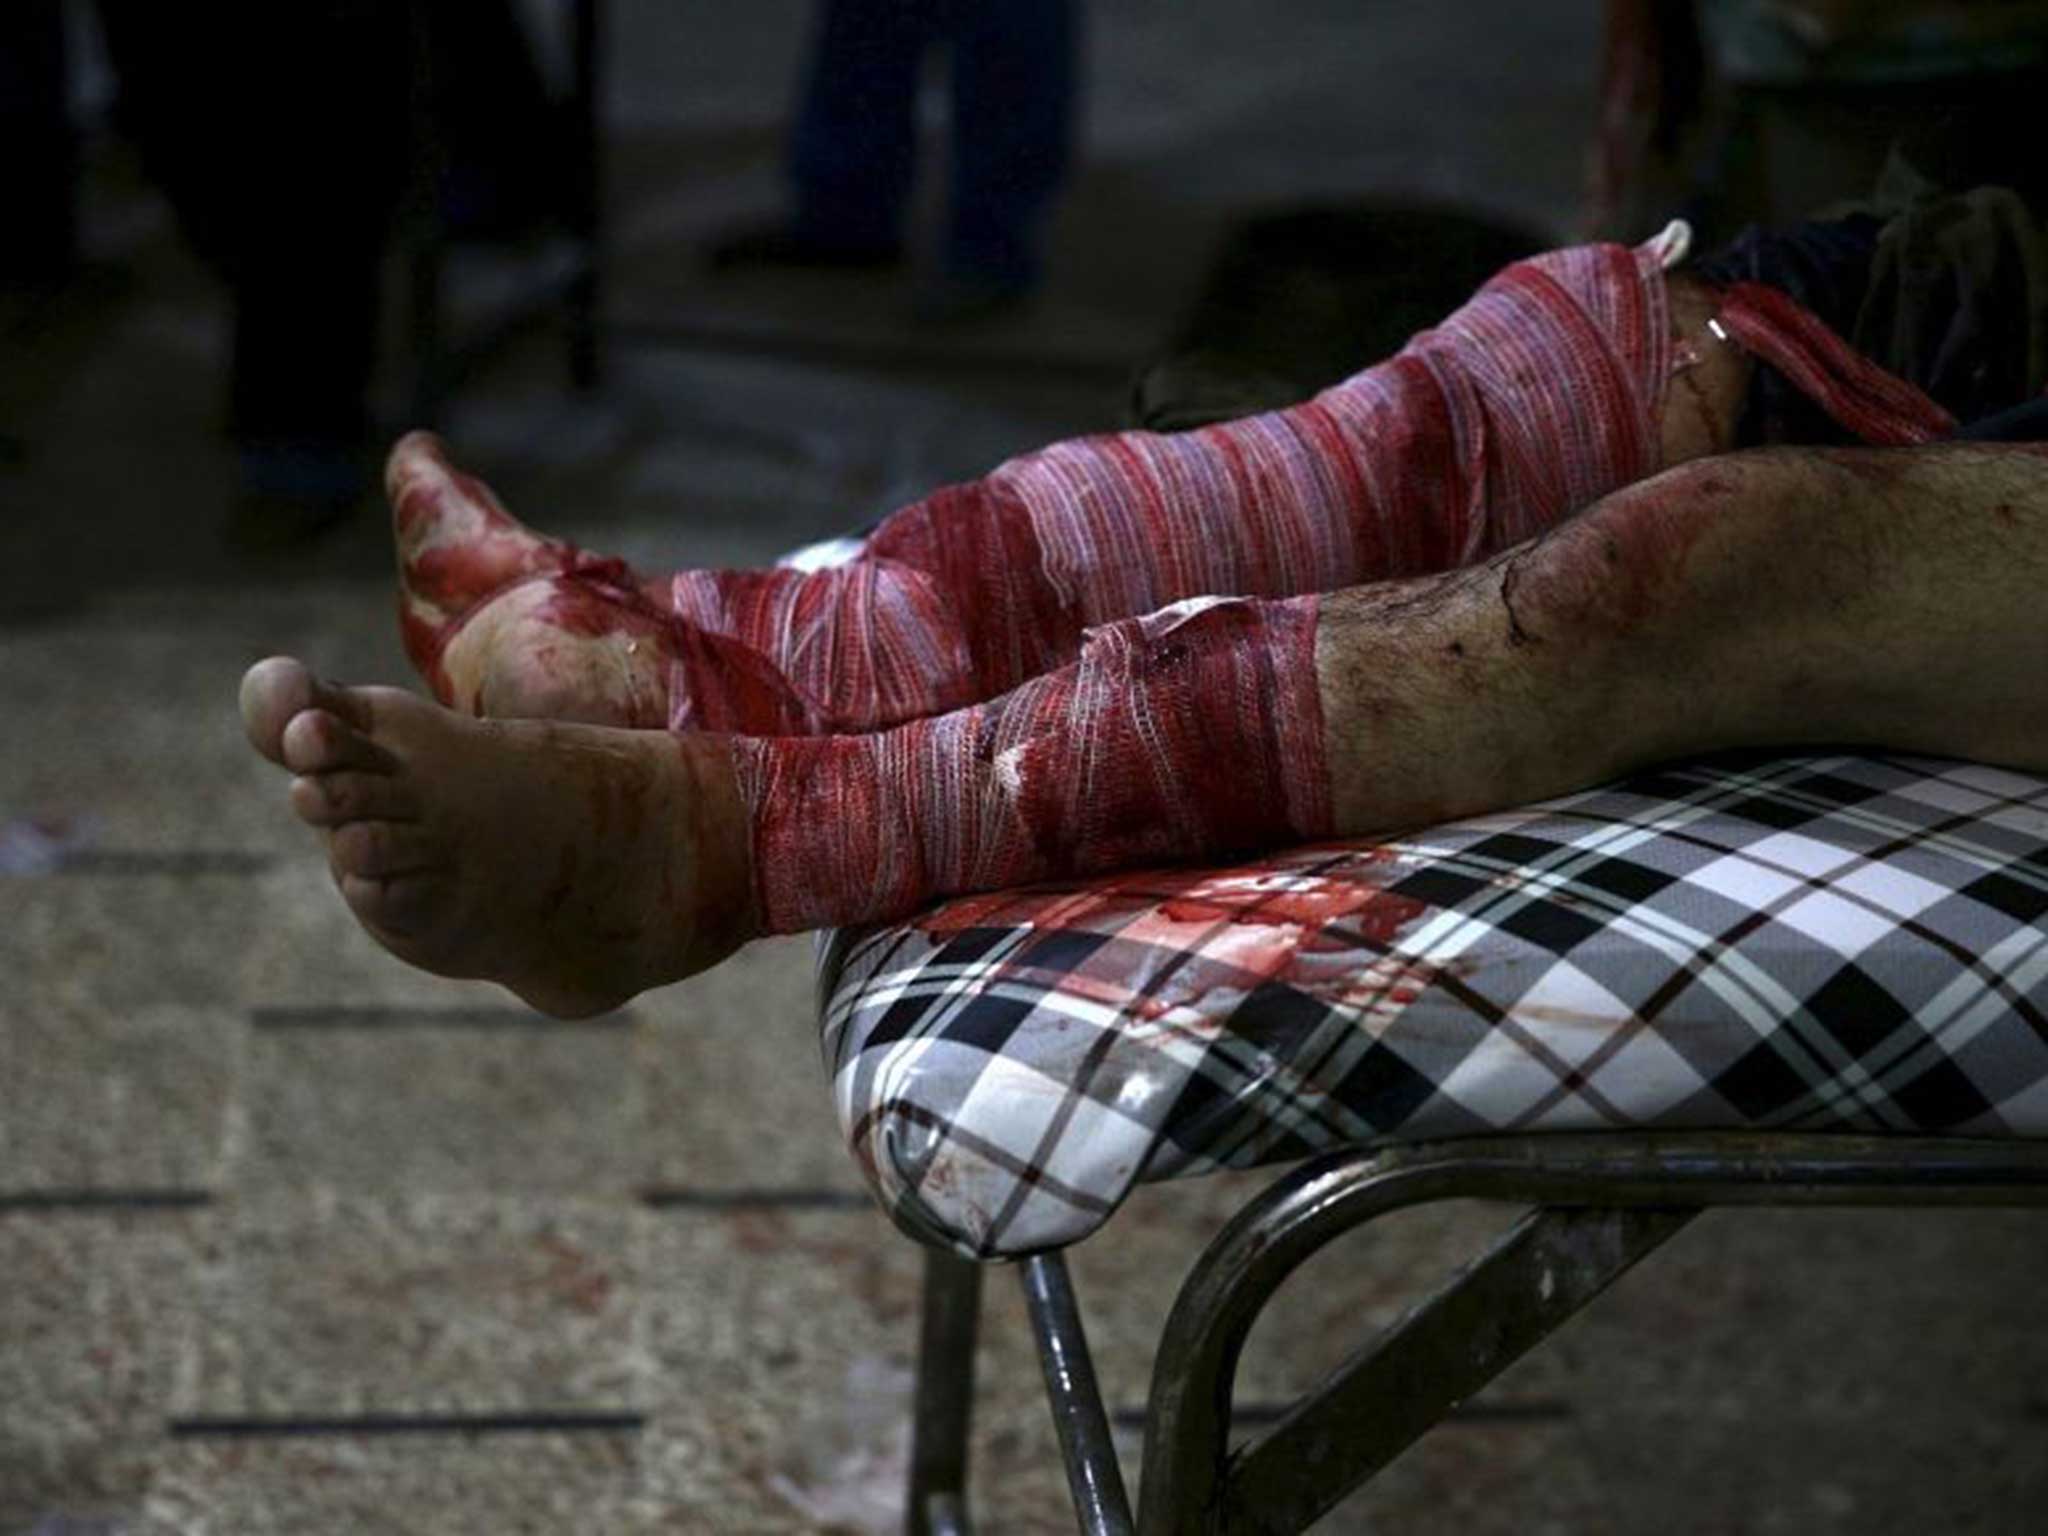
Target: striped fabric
<point>1879,407</point>
<point>1806,943</point>
<point>1535,399</point>
<point>1100,765</point>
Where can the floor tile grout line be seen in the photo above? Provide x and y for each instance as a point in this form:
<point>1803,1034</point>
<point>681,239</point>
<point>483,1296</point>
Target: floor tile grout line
<point>665,1198</point>
<point>128,863</point>
<point>80,1200</point>
<point>299,1426</point>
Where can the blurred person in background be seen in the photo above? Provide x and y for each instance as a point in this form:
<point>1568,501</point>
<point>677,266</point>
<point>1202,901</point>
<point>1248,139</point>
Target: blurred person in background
<point>853,153</point>
<point>1735,112</point>
<point>280,133</point>
<point>42,241</point>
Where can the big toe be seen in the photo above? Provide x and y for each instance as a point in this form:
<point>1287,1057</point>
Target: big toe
<point>273,691</point>
<point>433,502</point>
<point>299,722</point>
<point>417,456</point>
<point>457,545</point>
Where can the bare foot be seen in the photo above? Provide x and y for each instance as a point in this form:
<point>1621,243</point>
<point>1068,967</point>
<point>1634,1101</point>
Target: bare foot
<point>579,647</point>
<point>457,545</point>
<point>561,648</point>
<point>575,865</point>
<point>504,622</point>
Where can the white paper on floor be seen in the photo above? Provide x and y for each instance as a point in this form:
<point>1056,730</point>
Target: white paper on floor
<point>856,1459</point>
<point>38,845</point>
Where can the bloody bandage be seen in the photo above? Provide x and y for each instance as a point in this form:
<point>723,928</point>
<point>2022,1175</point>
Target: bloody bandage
<point>1538,397</point>
<point>1878,407</point>
<point>1188,733</point>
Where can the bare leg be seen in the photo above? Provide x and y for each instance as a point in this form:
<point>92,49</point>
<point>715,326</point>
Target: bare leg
<point>1858,597</point>
<point>1882,598</point>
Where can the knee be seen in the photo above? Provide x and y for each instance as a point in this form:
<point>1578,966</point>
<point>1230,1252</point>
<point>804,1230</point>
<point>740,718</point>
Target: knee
<point>1621,568</point>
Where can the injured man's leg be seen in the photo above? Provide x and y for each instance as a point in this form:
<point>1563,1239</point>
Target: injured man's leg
<point>1884,598</point>
<point>1566,377</point>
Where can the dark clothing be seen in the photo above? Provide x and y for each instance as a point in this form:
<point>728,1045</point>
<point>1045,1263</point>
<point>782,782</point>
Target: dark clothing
<point>1013,90</point>
<point>2026,423</point>
<point>42,239</point>
<point>280,133</point>
<point>1949,293</point>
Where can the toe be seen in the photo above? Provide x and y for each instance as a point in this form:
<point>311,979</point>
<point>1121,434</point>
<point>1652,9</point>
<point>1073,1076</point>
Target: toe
<point>348,794</point>
<point>427,507</point>
<point>318,740</point>
<point>278,689</point>
<point>457,545</point>
<point>432,500</point>
<point>380,850</point>
<point>414,454</point>
<point>273,691</point>
<point>398,910</point>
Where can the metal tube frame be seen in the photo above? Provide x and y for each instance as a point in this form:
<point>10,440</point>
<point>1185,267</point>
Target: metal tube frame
<point>937,1502</point>
<point>1093,1476</point>
<point>1600,1203</point>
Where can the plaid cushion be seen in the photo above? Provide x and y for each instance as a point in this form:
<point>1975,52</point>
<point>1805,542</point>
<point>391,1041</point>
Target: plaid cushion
<point>1836,942</point>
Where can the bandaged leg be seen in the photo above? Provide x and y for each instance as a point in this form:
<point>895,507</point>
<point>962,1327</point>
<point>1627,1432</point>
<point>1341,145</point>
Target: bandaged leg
<point>1772,598</point>
<point>1543,393</point>
<point>1567,376</point>
<point>1191,731</point>
<point>1788,597</point>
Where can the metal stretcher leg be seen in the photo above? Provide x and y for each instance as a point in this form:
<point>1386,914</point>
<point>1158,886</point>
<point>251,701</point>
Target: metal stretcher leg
<point>1600,1204</point>
<point>1077,1412</point>
<point>1381,1401</point>
<point>937,1502</point>
<point>1605,1202</point>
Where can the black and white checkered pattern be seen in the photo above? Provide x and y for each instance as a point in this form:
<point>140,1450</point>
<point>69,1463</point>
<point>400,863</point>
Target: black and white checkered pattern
<point>1799,943</point>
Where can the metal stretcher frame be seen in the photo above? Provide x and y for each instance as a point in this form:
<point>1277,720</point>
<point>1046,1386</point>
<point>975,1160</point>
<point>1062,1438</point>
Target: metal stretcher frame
<point>1599,1203</point>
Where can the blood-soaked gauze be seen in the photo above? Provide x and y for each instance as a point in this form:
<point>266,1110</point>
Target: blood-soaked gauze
<point>1189,733</point>
<point>1538,397</point>
<point>457,547</point>
<point>1878,407</point>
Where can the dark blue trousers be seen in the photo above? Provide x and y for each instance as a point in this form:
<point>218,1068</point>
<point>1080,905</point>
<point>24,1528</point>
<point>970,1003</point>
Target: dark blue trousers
<point>1014,68</point>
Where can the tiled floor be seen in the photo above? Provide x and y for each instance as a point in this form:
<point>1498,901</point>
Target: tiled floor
<point>295,1240</point>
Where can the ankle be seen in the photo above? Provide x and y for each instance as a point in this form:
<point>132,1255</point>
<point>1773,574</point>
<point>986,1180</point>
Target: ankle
<point>721,843</point>
<point>1190,732</point>
<point>677,861</point>
<point>860,646</point>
